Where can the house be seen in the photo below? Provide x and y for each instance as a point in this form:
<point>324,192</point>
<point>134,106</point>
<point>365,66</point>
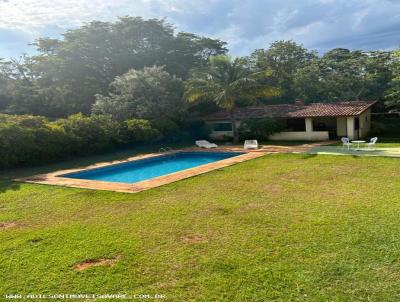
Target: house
<point>314,121</point>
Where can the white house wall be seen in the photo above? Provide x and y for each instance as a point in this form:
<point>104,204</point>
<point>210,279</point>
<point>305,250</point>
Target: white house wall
<point>308,135</point>
<point>351,133</point>
<point>300,136</point>
<point>341,126</point>
<point>364,126</point>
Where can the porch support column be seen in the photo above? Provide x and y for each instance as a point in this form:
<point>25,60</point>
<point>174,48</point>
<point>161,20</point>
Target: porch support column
<point>350,127</point>
<point>309,125</point>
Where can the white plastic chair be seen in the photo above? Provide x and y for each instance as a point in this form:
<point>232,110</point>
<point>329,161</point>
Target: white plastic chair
<point>250,144</point>
<point>205,144</point>
<point>371,143</point>
<point>346,143</point>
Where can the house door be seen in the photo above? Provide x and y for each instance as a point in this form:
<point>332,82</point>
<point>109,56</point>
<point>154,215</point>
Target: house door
<point>326,124</point>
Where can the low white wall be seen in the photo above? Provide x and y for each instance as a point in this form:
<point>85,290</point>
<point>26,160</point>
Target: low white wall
<point>220,134</point>
<point>300,136</point>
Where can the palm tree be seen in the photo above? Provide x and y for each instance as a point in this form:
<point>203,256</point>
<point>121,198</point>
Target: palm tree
<point>226,81</point>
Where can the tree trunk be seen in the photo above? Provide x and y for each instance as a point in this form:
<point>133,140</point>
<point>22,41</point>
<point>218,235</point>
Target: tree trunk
<point>234,129</point>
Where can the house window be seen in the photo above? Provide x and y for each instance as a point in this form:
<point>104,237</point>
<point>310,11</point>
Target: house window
<point>295,124</point>
<point>222,127</point>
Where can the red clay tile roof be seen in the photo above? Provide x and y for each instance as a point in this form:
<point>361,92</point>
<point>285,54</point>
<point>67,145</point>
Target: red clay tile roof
<point>354,108</point>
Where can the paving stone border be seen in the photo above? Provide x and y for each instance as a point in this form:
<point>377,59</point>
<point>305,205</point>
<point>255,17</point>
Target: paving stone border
<point>55,178</point>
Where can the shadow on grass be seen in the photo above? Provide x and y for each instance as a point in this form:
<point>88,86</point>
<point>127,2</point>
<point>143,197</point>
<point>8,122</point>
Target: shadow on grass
<point>7,184</point>
<point>308,155</point>
<point>83,161</point>
<point>313,155</point>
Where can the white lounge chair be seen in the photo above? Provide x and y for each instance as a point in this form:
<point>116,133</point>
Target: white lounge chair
<point>205,144</point>
<point>371,143</point>
<point>251,144</point>
<point>346,143</point>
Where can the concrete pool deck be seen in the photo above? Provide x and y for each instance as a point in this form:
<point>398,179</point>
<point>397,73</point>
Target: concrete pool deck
<point>337,150</point>
<point>56,178</point>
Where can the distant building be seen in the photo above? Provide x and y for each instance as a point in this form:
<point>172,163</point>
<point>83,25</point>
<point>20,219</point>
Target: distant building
<point>314,121</point>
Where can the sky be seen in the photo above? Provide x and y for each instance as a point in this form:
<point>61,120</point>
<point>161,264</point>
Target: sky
<point>245,24</point>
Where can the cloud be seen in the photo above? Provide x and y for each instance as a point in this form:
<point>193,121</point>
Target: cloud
<point>245,25</point>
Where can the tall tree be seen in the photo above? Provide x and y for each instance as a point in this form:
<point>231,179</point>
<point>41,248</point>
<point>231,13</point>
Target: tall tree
<point>392,95</point>
<point>68,72</point>
<point>226,81</point>
<point>149,93</point>
<point>5,84</point>
<point>283,59</point>
<point>344,75</point>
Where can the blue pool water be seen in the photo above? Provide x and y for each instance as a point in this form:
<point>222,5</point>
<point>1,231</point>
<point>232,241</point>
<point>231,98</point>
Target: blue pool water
<point>144,169</point>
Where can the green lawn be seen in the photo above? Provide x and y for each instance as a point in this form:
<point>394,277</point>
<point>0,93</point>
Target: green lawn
<point>277,228</point>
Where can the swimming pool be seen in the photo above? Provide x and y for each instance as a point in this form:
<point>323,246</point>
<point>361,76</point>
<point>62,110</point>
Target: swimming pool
<point>144,169</point>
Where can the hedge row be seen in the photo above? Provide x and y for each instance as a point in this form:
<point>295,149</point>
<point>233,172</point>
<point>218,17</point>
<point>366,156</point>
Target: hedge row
<point>386,125</point>
<point>32,140</point>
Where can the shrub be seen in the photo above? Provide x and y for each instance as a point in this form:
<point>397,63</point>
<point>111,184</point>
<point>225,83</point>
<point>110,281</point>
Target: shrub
<point>28,140</point>
<point>145,94</point>
<point>138,130</point>
<point>259,129</point>
<point>386,125</point>
<point>90,134</point>
<point>196,129</point>
<point>165,126</point>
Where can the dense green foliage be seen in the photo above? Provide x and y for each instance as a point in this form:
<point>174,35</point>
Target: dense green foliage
<point>259,129</point>
<point>386,126</point>
<point>31,140</point>
<point>147,94</point>
<point>283,59</point>
<point>137,130</point>
<point>134,76</point>
<point>66,74</point>
<point>98,61</point>
<point>393,93</point>
<point>338,75</point>
<point>343,75</point>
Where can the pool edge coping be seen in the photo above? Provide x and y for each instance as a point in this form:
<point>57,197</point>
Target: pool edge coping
<point>55,178</point>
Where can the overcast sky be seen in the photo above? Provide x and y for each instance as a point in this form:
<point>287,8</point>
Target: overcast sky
<point>244,24</point>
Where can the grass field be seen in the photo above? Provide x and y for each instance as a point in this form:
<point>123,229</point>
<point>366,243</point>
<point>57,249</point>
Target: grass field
<point>277,228</point>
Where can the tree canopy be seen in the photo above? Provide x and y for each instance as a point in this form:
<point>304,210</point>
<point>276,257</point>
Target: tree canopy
<point>344,75</point>
<point>110,84</point>
<point>283,59</point>
<point>92,66</point>
<point>392,95</point>
<point>67,73</point>
<point>227,81</point>
<point>148,93</point>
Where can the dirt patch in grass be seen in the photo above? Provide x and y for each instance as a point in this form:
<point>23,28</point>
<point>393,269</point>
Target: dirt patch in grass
<point>97,262</point>
<point>194,239</point>
<point>259,205</point>
<point>35,241</point>
<point>273,189</point>
<point>7,225</point>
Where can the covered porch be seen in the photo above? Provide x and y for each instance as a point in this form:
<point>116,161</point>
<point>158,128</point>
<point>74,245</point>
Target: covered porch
<point>302,122</point>
<point>324,128</point>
